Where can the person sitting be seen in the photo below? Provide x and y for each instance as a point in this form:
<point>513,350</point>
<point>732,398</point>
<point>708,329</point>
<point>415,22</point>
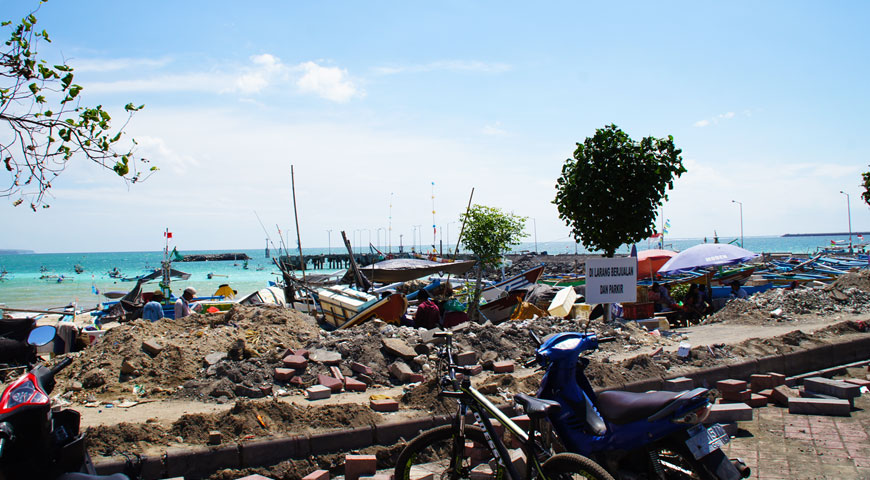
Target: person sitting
<point>659,294</point>
<point>737,291</point>
<point>153,310</point>
<point>428,315</point>
<point>183,306</point>
<point>693,304</point>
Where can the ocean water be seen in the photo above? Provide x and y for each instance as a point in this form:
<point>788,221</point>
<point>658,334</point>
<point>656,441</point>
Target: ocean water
<point>23,287</point>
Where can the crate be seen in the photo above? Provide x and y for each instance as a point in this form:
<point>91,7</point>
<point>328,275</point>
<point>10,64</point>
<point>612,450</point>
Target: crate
<point>637,311</point>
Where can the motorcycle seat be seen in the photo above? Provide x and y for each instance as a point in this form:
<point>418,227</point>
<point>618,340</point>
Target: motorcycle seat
<point>537,407</point>
<point>619,407</point>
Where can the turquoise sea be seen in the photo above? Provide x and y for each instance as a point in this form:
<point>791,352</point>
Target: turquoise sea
<point>23,288</point>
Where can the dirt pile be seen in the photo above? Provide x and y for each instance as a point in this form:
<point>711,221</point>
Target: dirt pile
<point>247,419</point>
<point>119,366</point>
<point>779,304</point>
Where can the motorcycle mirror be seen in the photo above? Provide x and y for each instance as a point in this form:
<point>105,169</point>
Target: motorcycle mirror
<point>40,336</point>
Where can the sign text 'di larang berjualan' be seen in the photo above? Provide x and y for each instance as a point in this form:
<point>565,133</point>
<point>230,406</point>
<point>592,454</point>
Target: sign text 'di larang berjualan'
<point>610,280</point>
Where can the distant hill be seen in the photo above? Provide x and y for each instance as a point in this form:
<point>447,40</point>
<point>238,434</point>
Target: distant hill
<point>15,252</point>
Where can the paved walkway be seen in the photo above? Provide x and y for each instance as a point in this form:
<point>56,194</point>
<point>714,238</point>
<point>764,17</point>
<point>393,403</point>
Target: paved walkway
<point>779,445</point>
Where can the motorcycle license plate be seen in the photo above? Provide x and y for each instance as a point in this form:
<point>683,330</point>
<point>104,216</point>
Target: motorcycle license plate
<point>702,441</point>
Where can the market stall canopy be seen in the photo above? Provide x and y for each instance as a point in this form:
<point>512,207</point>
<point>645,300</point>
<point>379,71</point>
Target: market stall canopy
<point>650,261</point>
<point>706,255</point>
<point>405,269</point>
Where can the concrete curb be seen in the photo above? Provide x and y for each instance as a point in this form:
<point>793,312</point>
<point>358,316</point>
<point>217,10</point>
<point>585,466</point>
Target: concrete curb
<point>202,461</point>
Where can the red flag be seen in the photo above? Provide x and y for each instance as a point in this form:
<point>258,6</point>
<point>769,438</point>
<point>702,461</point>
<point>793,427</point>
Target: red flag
<point>656,235</point>
<point>167,234</point>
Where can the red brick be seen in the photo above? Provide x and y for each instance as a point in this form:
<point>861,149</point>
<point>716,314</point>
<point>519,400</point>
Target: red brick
<point>858,381</point>
<point>679,384</point>
<point>836,388</point>
<point>782,393</point>
<point>731,412</point>
<point>152,347</point>
<point>284,374</point>
<point>505,366</point>
<point>317,475</point>
<point>523,421</point>
<point>475,370</point>
<point>730,385</point>
<point>360,368</point>
<point>336,372</point>
<point>767,392</point>
<point>302,353</point>
<point>465,358</point>
<point>260,477</point>
<point>757,401</point>
<point>296,380</point>
<point>415,378</point>
<point>388,405</point>
<point>317,392</point>
<point>356,466</point>
<point>333,383</point>
<point>354,385</point>
<point>295,361</point>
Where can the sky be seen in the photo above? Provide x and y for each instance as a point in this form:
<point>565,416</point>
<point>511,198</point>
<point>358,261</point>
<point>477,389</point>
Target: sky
<point>378,105</point>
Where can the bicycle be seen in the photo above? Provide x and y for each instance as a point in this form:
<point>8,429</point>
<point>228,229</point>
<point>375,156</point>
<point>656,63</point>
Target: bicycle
<point>463,451</point>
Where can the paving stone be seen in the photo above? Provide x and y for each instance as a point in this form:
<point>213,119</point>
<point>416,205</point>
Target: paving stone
<point>767,392</point>
<point>301,352</point>
<point>400,370</point>
<point>777,379</point>
<point>759,382</point>
<point>152,347</point>
<point>819,406</point>
<point>836,388</point>
<point>858,381</point>
<point>317,475</point>
<point>679,384</point>
<point>729,412</point>
<point>730,385</point>
<point>737,396</point>
<point>284,374</point>
<point>336,372</point>
<point>297,362</point>
<point>354,385</point>
<point>358,465</point>
<point>465,358</point>
<point>505,366</point>
<point>365,379</point>
<point>757,401</point>
<point>398,348</point>
<point>488,358</point>
<point>296,380</point>
<point>332,383</point>
<point>360,368</point>
<point>416,378</point>
<point>782,393</point>
<point>214,437</point>
<point>325,357</point>
<point>318,392</point>
<point>475,370</point>
<point>260,477</point>
<point>386,405</point>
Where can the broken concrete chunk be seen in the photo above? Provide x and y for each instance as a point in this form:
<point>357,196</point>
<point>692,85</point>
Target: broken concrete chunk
<point>360,368</point>
<point>129,367</point>
<point>488,358</point>
<point>317,392</point>
<point>214,358</point>
<point>325,357</point>
<point>398,347</point>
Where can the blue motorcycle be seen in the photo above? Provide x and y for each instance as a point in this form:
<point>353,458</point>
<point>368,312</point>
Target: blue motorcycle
<point>656,435</point>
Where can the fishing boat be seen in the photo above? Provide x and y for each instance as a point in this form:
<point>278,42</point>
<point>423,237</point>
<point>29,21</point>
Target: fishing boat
<point>405,269</point>
<point>343,307</point>
<point>563,280</point>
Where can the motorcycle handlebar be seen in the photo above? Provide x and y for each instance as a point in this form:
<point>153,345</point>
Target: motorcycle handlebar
<point>60,366</point>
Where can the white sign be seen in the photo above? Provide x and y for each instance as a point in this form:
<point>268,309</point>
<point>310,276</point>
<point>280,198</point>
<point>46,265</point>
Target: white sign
<point>611,280</point>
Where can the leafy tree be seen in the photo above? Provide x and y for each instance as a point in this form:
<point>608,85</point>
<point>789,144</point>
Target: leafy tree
<point>43,124</point>
<point>866,195</point>
<point>489,232</point>
<point>609,192</point>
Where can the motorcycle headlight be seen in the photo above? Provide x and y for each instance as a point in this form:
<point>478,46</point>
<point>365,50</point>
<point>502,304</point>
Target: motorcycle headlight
<point>23,391</point>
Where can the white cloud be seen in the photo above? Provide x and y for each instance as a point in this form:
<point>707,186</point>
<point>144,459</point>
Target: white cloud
<point>494,130</point>
<point>264,72</point>
<point>114,64</point>
<point>716,119</point>
<point>445,65</point>
<point>331,83</point>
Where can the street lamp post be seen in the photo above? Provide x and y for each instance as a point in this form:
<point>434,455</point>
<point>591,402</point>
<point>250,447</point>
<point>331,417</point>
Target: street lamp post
<point>417,238</point>
<point>535,224</point>
<point>381,245</point>
<point>741,221</point>
<point>329,240</point>
<point>849,210</point>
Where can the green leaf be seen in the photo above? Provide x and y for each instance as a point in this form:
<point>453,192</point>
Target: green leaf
<point>34,88</point>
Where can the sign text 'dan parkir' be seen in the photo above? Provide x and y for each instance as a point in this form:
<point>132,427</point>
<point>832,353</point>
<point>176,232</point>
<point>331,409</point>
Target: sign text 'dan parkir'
<point>611,280</point>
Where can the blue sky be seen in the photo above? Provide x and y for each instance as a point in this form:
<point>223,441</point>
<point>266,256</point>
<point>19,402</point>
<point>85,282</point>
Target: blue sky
<point>768,101</point>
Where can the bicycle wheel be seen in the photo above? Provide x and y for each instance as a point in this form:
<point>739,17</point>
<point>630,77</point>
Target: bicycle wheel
<point>570,466</point>
<point>677,463</point>
<point>430,452</point>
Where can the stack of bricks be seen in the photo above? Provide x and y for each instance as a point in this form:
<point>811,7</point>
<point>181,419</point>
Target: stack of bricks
<point>823,396</point>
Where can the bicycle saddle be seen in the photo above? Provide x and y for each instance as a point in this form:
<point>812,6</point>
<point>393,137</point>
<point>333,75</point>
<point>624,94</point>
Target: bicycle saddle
<point>537,407</point>
<point>619,407</point>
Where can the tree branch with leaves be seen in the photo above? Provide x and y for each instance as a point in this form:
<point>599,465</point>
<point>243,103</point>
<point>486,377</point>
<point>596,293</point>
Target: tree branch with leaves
<point>43,124</point>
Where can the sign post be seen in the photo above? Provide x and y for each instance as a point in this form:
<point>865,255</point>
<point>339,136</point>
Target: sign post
<point>611,280</point>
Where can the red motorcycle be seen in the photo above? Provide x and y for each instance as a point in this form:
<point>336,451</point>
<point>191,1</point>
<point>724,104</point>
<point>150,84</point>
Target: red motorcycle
<point>36,442</point>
